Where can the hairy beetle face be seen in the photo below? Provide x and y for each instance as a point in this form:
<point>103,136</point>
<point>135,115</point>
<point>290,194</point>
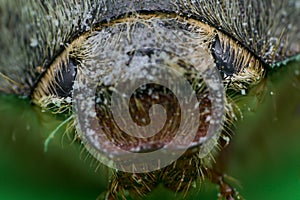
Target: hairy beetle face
<point>148,86</point>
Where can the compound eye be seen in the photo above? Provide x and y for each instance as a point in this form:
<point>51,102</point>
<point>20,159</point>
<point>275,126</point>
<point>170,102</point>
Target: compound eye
<point>56,85</point>
<point>64,81</point>
<point>148,86</point>
<point>224,58</point>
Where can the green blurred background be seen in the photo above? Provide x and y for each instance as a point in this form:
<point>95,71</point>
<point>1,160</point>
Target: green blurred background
<point>264,154</point>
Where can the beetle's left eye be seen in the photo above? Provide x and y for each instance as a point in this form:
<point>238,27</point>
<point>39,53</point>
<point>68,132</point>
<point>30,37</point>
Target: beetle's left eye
<point>59,80</point>
<point>57,83</point>
<point>64,81</point>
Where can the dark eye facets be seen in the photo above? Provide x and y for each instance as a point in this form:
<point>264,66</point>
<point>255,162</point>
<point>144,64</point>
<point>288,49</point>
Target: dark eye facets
<point>65,79</point>
<point>224,58</point>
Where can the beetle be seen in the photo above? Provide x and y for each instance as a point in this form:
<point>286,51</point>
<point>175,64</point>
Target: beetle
<point>54,52</point>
